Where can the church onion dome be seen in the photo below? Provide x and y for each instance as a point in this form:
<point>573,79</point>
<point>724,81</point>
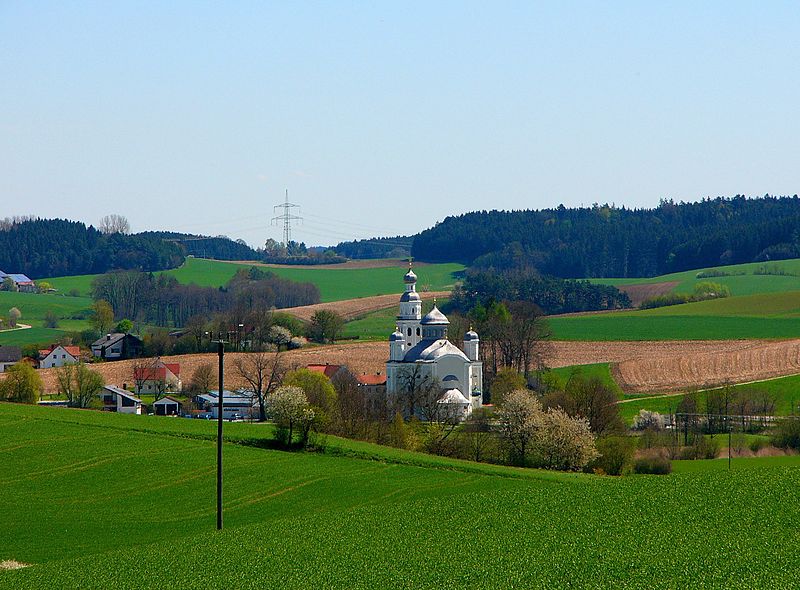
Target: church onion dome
<point>396,336</point>
<point>434,318</point>
<point>453,396</point>
<point>409,296</point>
<point>410,277</point>
<point>470,336</point>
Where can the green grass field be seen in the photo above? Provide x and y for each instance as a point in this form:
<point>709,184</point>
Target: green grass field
<point>106,501</point>
<point>334,284</point>
<point>746,284</point>
<point>786,391</point>
<point>34,307</point>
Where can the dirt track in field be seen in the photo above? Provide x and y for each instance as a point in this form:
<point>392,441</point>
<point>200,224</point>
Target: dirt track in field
<point>639,367</point>
<point>351,309</point>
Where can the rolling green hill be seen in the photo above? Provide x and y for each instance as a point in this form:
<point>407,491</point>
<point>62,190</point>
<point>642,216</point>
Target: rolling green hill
<point>94,500</point>
<point>70,311</point>
<point>786,391</point>
<point>747,283</point>
<point>334,283</point>
<point>766,315</point>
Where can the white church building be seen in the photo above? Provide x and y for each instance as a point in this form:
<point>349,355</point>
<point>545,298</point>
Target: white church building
<point>420,343</point>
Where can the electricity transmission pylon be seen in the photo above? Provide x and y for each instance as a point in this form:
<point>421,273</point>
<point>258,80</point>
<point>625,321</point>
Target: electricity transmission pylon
<point>286,217</point>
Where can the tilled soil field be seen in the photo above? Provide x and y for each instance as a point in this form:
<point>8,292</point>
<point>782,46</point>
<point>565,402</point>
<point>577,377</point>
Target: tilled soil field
<point>639,367</point>
<point>351,309</point>
<point>740,362</point>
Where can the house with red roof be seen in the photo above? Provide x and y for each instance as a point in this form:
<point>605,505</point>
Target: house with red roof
<point>157,377</point>
<point>58,356</point>
<point>372,383</point>
<point>328,370</point>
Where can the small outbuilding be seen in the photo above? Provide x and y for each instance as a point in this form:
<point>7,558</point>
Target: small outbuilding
<point>167,406</point>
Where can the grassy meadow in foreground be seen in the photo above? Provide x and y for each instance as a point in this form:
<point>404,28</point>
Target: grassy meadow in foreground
<point>128,502</point>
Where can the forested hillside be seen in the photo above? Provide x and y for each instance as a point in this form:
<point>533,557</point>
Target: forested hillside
<point>58,247</point>
<point>606,241</point>
<point>397,247</point>
<point>219,248</point>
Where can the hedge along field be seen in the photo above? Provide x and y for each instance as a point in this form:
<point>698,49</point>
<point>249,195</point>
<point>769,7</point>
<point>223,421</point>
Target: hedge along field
<point>741,284</point>
<point>785,389</point>
<point>120,508</point>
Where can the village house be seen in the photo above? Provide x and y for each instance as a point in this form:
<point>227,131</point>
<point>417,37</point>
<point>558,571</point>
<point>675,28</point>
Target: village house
<point>118,346</point>
<point>58,356</point>
<point>370,384</point>
<point>157,378</point>
<point>9,355</point>
<point>116,399</point>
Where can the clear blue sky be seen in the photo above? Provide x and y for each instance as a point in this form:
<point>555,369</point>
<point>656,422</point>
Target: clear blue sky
<point>382,119</point>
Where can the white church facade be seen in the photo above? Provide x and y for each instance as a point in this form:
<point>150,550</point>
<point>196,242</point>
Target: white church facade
<point>420,344</point>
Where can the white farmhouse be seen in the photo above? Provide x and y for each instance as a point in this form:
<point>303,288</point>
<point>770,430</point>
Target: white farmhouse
<point>116,399</point>
<point>58,356</point>
<point>420,346</point>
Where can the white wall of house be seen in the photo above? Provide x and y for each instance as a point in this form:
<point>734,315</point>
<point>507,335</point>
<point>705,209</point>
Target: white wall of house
<point>5,366</point>
<point>58,357</point>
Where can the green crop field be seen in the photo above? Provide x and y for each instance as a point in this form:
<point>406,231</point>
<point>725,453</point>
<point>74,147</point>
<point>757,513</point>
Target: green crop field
<point>334,284</point>
<point>68,310</point>
<point>786,391</point>
<point>739,284</point>
<point>94,500</point>
<point>766,315</point>
<point>601,371</point>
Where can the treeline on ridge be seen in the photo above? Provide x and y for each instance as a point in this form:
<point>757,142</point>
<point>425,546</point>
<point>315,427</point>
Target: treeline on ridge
<point>58,247</point>
<point>162,301</point>
<point>607,241</point>
<point>553,295</point>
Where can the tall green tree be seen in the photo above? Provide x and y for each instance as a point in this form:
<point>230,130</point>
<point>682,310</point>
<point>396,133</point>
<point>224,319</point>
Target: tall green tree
<point>79,384</point>
<point>22,384</point>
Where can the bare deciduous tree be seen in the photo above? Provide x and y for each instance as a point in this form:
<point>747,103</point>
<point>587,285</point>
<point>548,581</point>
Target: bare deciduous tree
<point>114,224</point>
<point>264,373</point>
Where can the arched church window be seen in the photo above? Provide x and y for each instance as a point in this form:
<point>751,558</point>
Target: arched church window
<point>417,331</point>
<point>409,331</point>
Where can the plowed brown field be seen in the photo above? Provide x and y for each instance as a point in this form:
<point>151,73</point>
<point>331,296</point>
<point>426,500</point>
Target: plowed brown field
<point>638,366</point>
<point>351,309</point>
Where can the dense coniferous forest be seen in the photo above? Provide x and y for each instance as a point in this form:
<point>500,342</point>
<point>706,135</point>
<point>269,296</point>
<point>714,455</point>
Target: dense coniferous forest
<point>606,241</point>
<point>58,247</point>
<point>219,248</point>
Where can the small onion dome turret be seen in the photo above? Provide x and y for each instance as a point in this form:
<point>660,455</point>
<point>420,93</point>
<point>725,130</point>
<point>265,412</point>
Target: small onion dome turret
<point>409,296</point>
<point>396,336</point>
<point>410,277</point>
<point>434,318</point>
<point>470,336</point>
